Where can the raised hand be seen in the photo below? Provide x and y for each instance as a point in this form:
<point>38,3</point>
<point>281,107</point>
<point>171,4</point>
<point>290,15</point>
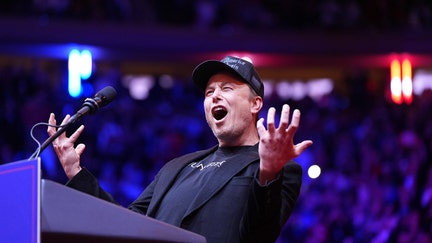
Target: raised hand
<point>276,147</point>
<point>68,155</point>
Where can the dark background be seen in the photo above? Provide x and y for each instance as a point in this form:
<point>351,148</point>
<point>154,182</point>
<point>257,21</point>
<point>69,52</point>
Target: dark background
<point>376,181</point>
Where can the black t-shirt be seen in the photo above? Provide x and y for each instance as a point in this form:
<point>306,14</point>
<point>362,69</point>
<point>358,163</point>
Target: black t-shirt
<point>193,179</point>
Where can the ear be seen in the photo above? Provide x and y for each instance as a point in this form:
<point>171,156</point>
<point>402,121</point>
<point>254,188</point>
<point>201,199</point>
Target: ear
<point>256,104</point>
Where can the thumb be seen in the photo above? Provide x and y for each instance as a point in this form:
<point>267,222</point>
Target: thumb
<point>303,146</point>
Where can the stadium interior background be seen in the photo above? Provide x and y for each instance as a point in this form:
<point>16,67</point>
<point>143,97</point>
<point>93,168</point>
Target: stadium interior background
<point>331,59</point>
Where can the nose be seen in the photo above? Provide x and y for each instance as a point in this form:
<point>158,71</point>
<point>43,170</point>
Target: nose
<point>216,94</point>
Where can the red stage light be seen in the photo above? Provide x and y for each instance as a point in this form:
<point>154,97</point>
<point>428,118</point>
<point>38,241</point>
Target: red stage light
<point>401,86</point>
<point>407,86</point>
<point>396,82</point>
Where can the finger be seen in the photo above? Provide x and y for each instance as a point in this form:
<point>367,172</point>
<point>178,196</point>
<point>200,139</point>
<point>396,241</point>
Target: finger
<point>260,127</point>
<point>52,119</point>
<point>80,149</point>
<point>52,122</point>
<point>283,124</point>
<point>294,122</point>
<point>271,119</point>
<point>303,146</point>
<point>65,120</point>
<point>76,134</point>
<point>296,118</point>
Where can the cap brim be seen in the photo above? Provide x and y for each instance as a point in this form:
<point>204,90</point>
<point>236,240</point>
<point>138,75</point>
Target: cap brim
<point>203,72</point>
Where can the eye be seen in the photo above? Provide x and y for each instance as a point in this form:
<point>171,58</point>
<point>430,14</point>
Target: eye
<point>209,92</point>
<point>227,88</point>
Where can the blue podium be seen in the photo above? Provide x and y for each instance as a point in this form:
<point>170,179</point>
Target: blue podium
<point>20,201</point>
<point>37,210</point>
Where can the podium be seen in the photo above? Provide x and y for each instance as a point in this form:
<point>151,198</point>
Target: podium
<point>37,210</point>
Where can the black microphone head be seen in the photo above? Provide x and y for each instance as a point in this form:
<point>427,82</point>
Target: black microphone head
<point>105,96</point>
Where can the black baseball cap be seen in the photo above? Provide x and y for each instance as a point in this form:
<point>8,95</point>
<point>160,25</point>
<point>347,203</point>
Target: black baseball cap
<point>237,66</point>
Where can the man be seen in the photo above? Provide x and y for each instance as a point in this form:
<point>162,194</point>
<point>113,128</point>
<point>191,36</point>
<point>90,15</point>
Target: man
<point>243,189</point>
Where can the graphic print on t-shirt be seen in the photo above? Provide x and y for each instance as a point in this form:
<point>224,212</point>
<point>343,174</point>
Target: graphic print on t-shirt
<point>201,166</point>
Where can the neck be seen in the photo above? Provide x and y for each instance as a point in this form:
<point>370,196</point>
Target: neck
<point>238,142</point>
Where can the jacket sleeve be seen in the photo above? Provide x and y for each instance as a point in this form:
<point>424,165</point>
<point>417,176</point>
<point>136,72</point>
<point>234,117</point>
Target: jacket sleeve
<point>270,206</point>
<point>86,182</point>
<point>141,204</point>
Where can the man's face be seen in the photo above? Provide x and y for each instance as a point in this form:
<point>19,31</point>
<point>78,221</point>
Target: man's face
<point>230,110</point>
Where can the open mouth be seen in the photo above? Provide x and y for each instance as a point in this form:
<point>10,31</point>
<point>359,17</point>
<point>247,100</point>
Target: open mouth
<point>219,113</point>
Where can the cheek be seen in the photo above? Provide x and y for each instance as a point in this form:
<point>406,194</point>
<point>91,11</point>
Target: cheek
<point>206,105</point>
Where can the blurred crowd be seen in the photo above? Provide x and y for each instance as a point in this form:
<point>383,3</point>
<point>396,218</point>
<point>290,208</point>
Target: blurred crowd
<point>231,15</point>
<point>376,181</point>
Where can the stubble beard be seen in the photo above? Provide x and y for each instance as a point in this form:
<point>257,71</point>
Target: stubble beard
<point>229,134</point>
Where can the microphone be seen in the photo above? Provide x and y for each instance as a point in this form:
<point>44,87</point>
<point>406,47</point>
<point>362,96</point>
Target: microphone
<point>90,106</point>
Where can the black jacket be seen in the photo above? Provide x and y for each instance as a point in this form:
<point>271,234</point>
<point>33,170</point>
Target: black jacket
<point>235,208</point>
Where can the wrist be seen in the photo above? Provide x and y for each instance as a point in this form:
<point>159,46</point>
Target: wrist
<point>73,171</point>
<point>265,176</point>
